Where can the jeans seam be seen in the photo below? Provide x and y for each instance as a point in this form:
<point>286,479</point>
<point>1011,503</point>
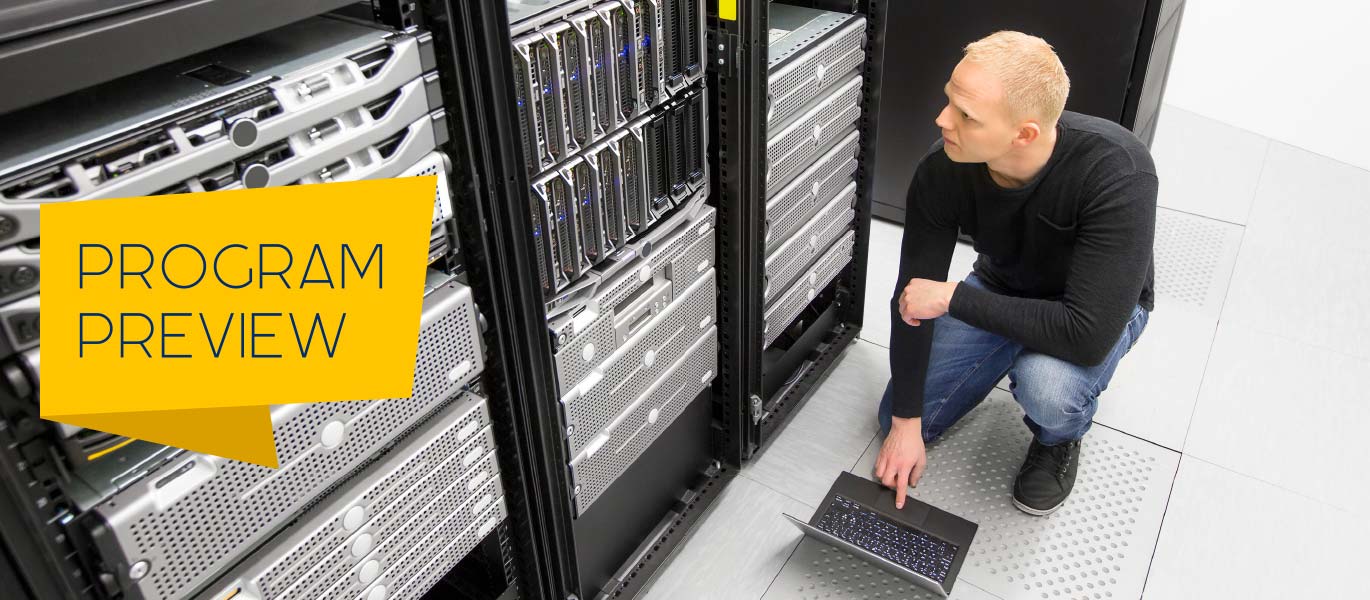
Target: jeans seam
<point>1130,343</point>
<point>965,377</point>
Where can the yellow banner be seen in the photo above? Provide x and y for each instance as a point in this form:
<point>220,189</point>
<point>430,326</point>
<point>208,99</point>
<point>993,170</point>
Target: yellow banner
<point>180,319</point>
<point>727,10</point>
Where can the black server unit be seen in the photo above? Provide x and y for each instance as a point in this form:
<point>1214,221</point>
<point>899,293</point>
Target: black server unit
<point>427,493</point>
<point>1117,53</point>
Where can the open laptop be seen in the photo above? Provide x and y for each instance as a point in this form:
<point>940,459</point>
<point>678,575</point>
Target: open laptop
<point>920,543</point>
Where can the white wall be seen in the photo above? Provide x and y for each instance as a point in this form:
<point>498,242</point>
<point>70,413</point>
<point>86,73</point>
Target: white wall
<point>1297,71</point>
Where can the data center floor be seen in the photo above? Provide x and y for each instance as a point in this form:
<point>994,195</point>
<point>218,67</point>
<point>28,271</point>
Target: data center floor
<point>1224,462</point>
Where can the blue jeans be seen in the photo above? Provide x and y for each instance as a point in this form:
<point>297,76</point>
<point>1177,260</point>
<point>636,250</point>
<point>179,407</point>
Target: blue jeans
<point>1058,397</point>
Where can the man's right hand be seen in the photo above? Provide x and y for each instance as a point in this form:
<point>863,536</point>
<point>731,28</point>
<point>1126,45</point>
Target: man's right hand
<point>902,458</point>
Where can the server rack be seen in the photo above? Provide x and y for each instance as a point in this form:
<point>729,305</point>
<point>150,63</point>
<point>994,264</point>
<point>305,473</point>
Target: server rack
<point>558,543</point>
<point>64,535</point>
<point>778,343</point>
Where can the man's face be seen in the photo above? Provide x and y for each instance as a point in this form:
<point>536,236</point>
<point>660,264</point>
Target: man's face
<point>976,124</point>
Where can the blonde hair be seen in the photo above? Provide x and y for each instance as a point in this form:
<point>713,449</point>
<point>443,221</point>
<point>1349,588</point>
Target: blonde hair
<point>1034,80</point>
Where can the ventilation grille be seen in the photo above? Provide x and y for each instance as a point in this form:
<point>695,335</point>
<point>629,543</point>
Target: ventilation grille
<point>682,259</point>
<point>577,86</point>
<point>799,81</point>
<point>589,214</point>
<point>1190,255</point>
<point>611,197</point>
<point>1096,547</point>
<point>672,42</point>
<point>634,366</point>
<point>795,148</point>
<point>690,14</point>
<point>644,421</point>
<point>206,528</point>
<point>793,206</point>
<point>634,196</point>
<point>813,240</point>
<point>790,304</point>
<point>625,50</point>
<point>393,494</point>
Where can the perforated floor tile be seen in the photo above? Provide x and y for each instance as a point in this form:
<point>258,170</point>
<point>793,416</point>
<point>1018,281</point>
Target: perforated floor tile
<point>818,571</point>
<point>1096,547</point>
<point>1194,257</point>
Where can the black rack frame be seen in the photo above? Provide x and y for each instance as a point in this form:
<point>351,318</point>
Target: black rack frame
<point>489,188</point>
<point>758,395</point>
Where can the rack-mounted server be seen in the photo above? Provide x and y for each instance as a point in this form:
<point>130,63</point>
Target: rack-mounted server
<point>392,530</point>
<point>813,109</point>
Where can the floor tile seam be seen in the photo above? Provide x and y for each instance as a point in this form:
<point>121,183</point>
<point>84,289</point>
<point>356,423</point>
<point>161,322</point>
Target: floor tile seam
<point>1271,141</point>
<point>773,489</point>
<point>776,577</point>
<point>1160,528</point>
<point>1333,159</point>
<point>1190,213</point>
<point>1252,324</point>
<point>1139,438</point>
<point>1340,509</point>
<point>1217,328</point>
<point>1219,121</point>
<point>1265,160</point>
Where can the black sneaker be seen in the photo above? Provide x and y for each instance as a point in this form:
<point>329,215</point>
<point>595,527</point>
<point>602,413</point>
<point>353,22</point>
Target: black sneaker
<point>1047,476</point>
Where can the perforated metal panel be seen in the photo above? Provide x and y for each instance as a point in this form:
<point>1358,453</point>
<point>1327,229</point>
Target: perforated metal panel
<point>792,206</point>
<point>788,262</point>
<point>435,163</point>
<point>199,513</point>
<point>428,564</point>
<point>451,455</point>
<point>1098,546</point>
<point>643,421</point>
<point>676,254</point>
<point>651,351</point>
<point>821,54</point>
<point>795,147</point>
<point>788,306</point>
<point>401,557</point>
<point>1192,254</point>
<point>818,571</point>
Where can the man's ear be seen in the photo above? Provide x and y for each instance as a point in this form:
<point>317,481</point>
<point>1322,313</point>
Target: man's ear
<point>1028,132</point>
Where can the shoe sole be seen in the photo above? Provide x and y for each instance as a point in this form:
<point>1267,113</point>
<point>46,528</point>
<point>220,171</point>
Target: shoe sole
<point>1037,512</point>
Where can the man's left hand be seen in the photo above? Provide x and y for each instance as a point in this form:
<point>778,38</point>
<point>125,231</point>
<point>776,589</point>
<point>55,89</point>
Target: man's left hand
<point>925,299</point>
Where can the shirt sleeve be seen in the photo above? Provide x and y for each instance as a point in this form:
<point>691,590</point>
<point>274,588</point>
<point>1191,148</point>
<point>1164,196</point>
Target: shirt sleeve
<point>930,228</point>
<point>1109,266</point>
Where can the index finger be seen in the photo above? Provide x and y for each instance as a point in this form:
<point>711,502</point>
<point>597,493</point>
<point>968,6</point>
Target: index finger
<point>901,487</point>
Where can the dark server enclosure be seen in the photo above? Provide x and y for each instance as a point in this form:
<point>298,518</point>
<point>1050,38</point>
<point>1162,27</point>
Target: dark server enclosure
<point>1117,53</point>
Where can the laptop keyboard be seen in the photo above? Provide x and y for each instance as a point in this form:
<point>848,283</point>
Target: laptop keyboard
<point>922,553</point>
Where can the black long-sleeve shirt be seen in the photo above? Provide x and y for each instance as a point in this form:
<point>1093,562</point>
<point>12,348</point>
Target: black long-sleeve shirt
<point>1065,258</point>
